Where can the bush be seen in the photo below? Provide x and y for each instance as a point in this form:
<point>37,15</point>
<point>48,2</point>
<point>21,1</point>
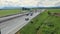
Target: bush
<point>31,21</point>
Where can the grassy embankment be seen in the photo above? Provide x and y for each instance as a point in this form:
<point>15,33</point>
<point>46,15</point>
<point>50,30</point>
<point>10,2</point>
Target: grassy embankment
<point>43,24</point>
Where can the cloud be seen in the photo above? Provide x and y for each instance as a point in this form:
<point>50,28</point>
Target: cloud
<point>28,3</point>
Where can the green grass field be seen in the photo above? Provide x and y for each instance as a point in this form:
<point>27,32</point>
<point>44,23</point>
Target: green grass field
<point>9,12</point>
<point>43,24</point>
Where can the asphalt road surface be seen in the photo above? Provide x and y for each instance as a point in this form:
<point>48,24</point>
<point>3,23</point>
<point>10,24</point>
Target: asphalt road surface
<point>12,26</point>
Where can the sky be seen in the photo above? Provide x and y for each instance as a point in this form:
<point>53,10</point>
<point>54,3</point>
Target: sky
<point>29,3</point>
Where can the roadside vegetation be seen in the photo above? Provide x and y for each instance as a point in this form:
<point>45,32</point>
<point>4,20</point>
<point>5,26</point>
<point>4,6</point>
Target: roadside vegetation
<point>45,23</point>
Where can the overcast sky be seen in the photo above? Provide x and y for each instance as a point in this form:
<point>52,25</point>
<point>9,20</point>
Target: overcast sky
<point>28,3</point>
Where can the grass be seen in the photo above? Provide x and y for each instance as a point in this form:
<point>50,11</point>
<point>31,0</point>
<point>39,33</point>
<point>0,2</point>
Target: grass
<point>54,10</point>
<point>10,12</point>
<point>43,24</point>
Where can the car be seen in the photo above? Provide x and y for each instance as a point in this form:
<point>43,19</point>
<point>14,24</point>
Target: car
<point>26,19</point>
<point>27,14</point>
<point>31,14</point>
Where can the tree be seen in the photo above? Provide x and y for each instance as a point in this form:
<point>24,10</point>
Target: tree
<point>25,8</point>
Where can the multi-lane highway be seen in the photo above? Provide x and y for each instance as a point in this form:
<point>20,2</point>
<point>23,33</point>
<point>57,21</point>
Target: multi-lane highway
<point>6,18</point>
<point>13,25</point>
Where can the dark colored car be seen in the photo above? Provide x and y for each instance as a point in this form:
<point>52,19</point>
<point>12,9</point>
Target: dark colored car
<point>26,19</point>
